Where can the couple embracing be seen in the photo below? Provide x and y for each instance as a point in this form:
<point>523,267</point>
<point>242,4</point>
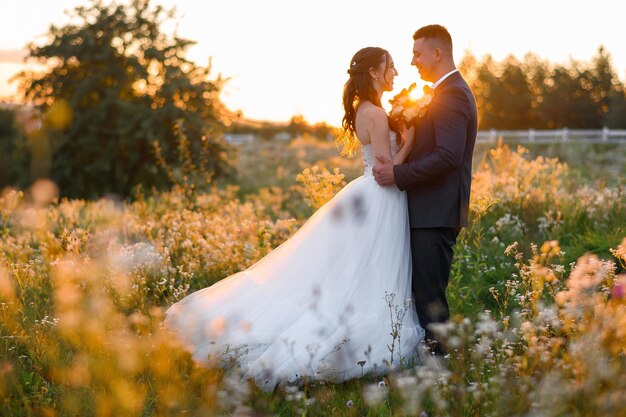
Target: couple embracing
<point>357,287</point>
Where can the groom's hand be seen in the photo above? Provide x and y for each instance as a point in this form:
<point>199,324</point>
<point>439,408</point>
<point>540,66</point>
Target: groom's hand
<point>383,173</point>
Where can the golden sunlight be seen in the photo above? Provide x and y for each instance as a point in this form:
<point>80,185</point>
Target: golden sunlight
<point>288,59</point>
<point>415,94</point>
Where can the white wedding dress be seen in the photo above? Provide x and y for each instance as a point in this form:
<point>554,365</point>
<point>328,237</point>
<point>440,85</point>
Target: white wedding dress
<point>316,306</point>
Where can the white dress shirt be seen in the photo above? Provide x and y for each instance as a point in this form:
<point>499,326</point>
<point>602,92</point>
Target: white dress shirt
<point>439,81</point>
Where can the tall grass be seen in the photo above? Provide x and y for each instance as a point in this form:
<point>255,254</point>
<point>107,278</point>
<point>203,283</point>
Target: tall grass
<point>537,292</point>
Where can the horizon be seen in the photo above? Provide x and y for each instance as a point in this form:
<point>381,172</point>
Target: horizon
<point>290,69</point>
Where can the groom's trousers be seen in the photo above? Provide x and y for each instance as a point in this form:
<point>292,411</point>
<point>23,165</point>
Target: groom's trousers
<point>431,255</point>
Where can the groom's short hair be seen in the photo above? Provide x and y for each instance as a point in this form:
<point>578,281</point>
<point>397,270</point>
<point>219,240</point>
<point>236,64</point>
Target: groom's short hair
<point>437,32</point>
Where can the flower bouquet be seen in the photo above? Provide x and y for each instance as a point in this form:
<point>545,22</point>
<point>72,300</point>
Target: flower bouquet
<point>405,107</point>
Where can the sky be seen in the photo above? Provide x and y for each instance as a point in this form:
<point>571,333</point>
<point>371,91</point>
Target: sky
<point>287,57</point>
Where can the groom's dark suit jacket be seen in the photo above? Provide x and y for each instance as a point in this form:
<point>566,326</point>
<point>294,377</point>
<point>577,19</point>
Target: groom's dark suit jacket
<point>438,170</point>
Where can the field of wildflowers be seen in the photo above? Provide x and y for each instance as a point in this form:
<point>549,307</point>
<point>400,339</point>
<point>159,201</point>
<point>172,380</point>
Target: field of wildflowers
<point>537,293</point>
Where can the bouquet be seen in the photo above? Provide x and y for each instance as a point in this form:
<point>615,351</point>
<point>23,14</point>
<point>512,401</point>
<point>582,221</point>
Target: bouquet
<point>405,108</point>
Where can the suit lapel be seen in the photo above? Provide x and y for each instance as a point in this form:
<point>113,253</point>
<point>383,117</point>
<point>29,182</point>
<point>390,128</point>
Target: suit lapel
<point>425,131</point>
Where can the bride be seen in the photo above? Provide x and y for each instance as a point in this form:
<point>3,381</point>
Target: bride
<point>333,301</point>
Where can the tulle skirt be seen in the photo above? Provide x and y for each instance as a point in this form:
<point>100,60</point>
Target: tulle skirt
<point>331,303</point>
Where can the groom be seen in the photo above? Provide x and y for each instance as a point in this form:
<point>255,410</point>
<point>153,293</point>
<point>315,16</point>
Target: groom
<point>436,175</point>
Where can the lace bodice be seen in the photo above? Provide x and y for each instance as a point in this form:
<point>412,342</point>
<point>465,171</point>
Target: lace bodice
<point>367,153</point>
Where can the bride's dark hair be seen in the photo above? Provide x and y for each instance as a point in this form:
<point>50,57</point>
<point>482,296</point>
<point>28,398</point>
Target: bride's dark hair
<point>357,89</point>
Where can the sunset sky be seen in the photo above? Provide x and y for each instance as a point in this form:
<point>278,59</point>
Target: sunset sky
<point>289,57</point>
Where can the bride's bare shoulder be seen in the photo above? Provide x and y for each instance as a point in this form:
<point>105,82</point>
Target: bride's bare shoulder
<point>369,112</point>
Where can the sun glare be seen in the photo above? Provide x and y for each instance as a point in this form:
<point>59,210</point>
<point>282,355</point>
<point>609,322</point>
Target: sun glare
<point>415,94</point>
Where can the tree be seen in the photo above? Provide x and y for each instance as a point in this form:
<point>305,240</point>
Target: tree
<point>603,81</point>
<point>297,126</point>
<point>12,155</point>
<point>607,91</point>
<point>537,73</point>
<point>119,87</point>
<point>485,85</point>
<point>616,117</point>
<point>511,97</point>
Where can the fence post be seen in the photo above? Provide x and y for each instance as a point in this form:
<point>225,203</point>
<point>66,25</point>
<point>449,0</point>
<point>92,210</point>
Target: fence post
<point>564,134</point>
<point>531,135</point>
<point>605,134</point>
<point>493,135</point>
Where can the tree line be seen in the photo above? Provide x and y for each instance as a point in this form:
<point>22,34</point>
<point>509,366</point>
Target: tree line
<point>296,126</point>
<point>536,93</point>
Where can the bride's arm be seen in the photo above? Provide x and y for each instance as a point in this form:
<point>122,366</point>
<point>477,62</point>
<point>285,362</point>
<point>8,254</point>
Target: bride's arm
<point>407,145</point>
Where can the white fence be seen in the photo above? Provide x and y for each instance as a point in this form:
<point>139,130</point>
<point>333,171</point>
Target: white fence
<point>605,135</point>
<point>239,138</point>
